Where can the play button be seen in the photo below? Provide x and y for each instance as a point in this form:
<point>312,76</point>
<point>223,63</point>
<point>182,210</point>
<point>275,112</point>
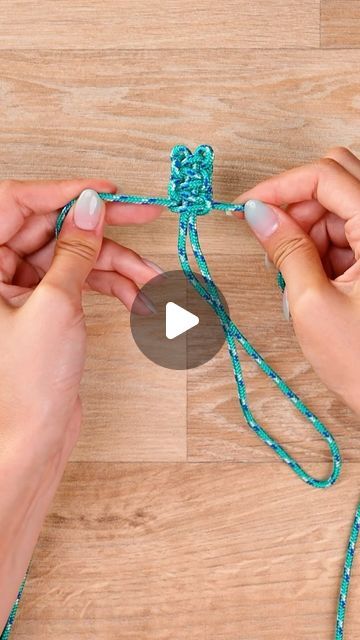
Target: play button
<point>178,320</point>
<point>184,332</point>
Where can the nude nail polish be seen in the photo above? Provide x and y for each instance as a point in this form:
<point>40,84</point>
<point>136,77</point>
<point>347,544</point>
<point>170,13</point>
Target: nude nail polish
<point>261,218</point>
<point>87,210</point>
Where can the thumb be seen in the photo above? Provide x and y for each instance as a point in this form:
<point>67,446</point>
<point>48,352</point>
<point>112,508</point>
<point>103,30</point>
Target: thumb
<point>78,244</point>
<point>291,249</point>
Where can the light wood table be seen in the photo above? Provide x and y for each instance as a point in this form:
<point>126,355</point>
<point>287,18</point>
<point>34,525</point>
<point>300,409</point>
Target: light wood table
<point>173,521</point>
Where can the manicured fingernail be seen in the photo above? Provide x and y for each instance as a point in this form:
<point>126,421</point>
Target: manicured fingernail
<point>155,267</point>
<point>261,218</point>
<point>285,306</point>
<point>87,210</point>
<point>143,299</point>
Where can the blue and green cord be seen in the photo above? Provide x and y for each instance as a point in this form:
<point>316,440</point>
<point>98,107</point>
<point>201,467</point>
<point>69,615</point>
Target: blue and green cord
<point>190,195</point>
<point>6,633</point>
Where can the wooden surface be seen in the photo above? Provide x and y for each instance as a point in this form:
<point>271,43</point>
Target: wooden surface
<point>340,24</point>
<point>172,520</point>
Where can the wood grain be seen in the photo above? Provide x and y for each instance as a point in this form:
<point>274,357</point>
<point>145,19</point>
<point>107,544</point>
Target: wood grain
<point>161,24</point>
<point>216,428</point>
<point>340,24</point>
<point>120,117</point>
<point>204,551</point>
<point>173,520</point>
<point>119,421</point>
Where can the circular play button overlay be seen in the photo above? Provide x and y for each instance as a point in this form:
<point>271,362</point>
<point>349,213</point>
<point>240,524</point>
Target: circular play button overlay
<point>183,332</point>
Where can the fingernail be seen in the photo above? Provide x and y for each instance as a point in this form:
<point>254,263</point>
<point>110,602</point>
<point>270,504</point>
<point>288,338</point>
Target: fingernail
<point>155,267</point>
<point>87,210</point>
<point>143,299</point>
<point>261,218</point>
<point>285,306</point>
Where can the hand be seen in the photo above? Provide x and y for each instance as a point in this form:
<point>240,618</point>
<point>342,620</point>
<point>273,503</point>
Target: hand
<point>42,342</point>
<point>41,318</point>
<point>310,229</point>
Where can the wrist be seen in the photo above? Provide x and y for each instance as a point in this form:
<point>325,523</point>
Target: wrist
<point>31,477</point>
<point>353,402</point>
<point>39,436</point>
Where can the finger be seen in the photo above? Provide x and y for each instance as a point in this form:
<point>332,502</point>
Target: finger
<point>9,263</point>
<point>309,212</point>
<point>350,278</point>
<point>329,232</point>
<point>336,231</point>
<point>306,213</point>
<point>319,235</point>
<point>15,296</point>
<point>114,257</point>
<point>346,159</point>
<point>77,247</point>
<point>326,181</point>
<point>327,266</point>
<point>41,260</point>
<point>122,288</point>
<point>37,231</point>
<point>19,200</point>
<point>124,213</point>
<point>289,247</point>
<point>341,260</point>
<point>26,275</point>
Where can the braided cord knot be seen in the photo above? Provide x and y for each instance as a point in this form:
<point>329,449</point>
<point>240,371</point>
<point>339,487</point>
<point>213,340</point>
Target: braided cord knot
<point>190,186</point>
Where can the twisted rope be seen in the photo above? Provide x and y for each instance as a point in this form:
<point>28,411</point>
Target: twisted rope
<point>190,195</point>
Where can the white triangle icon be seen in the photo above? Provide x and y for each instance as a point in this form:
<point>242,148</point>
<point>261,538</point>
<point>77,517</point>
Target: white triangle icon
<point>178,320</point>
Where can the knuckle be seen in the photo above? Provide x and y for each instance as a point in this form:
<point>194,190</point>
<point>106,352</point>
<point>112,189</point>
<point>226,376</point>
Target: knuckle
<point>131,253</point>
<point>7,186</point>
<point>9,191</point>
<point>81,248</point>
<point>128,254</point>
<point>327,169</point>
<point>288,247</point>
<point>326,164</point>
<point>338,153</point>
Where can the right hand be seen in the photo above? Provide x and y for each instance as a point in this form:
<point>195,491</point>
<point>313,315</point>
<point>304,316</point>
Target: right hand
<point>314,240</point>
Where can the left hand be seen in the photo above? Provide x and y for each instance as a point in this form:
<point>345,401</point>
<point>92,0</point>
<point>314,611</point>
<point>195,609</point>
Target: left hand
<point>43,335</point>
<point>28,212</point>
<point>43,342</point>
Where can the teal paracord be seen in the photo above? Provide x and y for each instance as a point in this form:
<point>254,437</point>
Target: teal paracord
<point>6,633</point>
<point>190,195</point>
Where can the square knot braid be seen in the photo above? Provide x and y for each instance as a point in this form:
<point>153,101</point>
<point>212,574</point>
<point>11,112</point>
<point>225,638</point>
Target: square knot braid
<point>190,186</point>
